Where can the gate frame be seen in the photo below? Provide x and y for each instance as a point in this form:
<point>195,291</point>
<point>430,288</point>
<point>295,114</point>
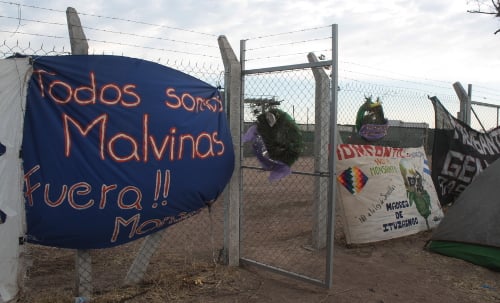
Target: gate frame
<point>234,97</point>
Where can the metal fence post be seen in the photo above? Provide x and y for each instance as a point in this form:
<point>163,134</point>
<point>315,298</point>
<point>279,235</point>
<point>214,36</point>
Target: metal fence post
<point>332,160</point>
<point>232,195</point>
<point>275,217</point>
<point>468,107</point>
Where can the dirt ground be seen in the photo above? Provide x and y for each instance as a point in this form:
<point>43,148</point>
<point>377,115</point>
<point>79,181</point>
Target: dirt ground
<point>187,266</point>
<point>398,270</point>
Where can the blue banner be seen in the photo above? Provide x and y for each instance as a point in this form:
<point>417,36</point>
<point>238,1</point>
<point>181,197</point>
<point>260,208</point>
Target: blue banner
<point>116,148</point>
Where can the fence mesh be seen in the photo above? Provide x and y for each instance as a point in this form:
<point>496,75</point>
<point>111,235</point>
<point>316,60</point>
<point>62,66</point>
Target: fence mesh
<point>186,254</point>
<point>484,118</point>
<point>7,50</point>
<point>277,217</point>
<point>280,220</point>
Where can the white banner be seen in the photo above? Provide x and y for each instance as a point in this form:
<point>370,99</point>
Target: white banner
<point>12,100</point>
<point>385,192</point>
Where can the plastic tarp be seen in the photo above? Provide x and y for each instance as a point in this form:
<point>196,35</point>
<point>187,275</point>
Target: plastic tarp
<point>13,75</point>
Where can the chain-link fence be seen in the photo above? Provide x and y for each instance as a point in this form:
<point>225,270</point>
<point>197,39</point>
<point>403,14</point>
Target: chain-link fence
<point>278,218</point>
<point>485,116</point>
<point>170,259</point>
<point>283,223</point>
<point>281,219</point>
<point>7,50</point>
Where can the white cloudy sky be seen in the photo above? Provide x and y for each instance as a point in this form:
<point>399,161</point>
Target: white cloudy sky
<point>426,39</point>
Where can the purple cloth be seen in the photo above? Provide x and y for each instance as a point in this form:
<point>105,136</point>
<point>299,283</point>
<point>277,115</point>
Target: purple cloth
<point>278,169</point>
<point>373,132</point>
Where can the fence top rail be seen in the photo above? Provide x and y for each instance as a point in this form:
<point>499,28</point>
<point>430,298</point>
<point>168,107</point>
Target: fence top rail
<point>287,67</point>
<point>485,104</point>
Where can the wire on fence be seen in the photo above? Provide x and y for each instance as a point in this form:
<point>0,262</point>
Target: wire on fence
<point>120,36</point>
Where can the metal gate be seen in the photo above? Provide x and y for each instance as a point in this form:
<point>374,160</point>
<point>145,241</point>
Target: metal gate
<point>287,226</point>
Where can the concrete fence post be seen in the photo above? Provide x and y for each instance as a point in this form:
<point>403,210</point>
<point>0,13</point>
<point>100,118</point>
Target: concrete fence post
<point>77,39</point>
<point>232,194</point>
<point>321,140</point>
<point>83,259</point>
<point>465,102</point>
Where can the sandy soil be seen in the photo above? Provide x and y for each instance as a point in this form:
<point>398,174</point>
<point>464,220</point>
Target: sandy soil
<point>394,271</point>
<point>276,230</point>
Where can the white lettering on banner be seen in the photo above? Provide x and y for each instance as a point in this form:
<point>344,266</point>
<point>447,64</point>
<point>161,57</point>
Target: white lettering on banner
<point>462,167</point>
<point>495,136</point>
<point>450,186</point>
<point>458,171</point>
<point>482,143</point>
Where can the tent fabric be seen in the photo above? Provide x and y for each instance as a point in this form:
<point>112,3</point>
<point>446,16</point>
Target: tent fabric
<point>473,221</point>
<point>13,75</point>
<point>480,255</point>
